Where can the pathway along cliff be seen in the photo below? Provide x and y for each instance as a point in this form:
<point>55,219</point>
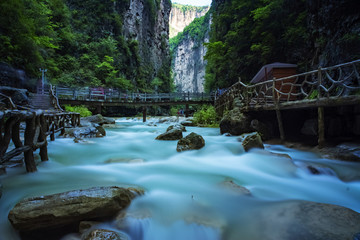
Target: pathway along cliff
<point>217,192</point>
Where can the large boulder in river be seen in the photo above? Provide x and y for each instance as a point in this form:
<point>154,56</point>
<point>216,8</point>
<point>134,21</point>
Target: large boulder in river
<point>176,126</point>
<point>190,142</point>
<point>252,140</point>
<point>235,123</point>
<point>98,119</point>
<point>307,220</point>
<point>68,208</point>
<point>84,132</point>
<point>173,134</point>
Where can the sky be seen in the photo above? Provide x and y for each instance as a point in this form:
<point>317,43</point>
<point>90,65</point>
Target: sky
<point>193,2</point>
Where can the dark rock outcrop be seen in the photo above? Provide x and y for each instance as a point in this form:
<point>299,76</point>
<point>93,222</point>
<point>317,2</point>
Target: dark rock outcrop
<point>177,126</point>
<point>57,210</point>
<point>190,142</point>
<point>173,134</point>
<point>18,96</point>
<point>12,77</point>
<point>252,140</point>
<point>235,123</point>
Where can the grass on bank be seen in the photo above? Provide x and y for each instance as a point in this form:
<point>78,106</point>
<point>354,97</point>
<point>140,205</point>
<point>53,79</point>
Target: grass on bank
<point>84,111</point>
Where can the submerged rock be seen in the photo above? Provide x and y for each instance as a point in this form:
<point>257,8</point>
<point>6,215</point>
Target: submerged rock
<point>57,210</point>
<point>190,142</point>
<point>235,123</point>
<point>308,220</point>
<point>252,140</point>
<point>98,119</point>
<point>177,126</point>
<point>188,122</point>
<point>173,134</point>
<point>103,234</point>
<point>233,187</point>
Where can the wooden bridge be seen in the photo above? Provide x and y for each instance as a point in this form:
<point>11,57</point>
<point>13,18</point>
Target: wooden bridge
<point>332,86</point>
<point>107,97</point>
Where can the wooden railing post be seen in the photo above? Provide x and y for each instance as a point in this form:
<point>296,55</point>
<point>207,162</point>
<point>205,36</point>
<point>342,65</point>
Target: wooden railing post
<point>278,113</point>
<point>29,137</point>
<point>321,114</point>
<point>42,138</point>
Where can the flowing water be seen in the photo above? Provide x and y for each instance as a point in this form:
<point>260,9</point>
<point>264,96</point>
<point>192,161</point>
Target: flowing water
<point>184,195</point>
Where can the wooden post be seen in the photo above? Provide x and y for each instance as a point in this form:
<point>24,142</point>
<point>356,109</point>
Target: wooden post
<point>278,113</point>
<point>42,138</point>
<point>321,127</point>
<point>29,137</point>
<point>52,130</point>
<point>144,114</point>
<point>187,110</point>
<point>16,135</point>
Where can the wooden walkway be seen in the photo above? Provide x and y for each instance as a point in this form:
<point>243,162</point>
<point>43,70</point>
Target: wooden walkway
<point>39,124</point>
<point>325,87</point>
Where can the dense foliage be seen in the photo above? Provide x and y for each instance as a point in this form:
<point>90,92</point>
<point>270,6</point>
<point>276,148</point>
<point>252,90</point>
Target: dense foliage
<point>206,116</point>
<point>79,42</point>
<point>247,34</point>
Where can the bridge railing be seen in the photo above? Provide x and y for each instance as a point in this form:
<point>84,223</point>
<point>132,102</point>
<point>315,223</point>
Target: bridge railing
<point>331,82</point>
<point>115,95</point>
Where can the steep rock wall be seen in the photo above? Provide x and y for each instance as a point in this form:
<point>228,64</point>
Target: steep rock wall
<point>147,24</point>
<point>188,62</point>
<point>189,66</point>
<point>182,15</point>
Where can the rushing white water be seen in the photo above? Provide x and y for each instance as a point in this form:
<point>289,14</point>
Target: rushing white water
<point>184,197</point>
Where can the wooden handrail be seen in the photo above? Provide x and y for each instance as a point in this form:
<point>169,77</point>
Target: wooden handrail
<point>12,105</point>
<point>334,81</point>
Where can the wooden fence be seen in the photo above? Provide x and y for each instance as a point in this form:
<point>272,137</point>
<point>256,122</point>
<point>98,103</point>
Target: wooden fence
<point>39,125</point>
<point>340,81</point>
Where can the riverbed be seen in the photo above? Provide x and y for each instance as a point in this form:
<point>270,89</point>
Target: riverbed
<point>185,197</point>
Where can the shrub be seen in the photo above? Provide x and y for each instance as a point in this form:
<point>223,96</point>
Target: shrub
<point>84,111</point>
<point>206,116</point>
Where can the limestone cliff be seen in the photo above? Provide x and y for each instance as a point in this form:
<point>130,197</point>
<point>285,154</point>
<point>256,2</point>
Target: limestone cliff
<point>182,15</point>
<point>188,51</point>
<point>147,23</point>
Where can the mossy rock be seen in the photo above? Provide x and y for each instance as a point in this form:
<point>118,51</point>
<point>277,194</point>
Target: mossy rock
<point>190,142</point>
<point>173,134</point>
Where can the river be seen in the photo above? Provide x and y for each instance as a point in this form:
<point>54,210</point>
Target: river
<point>184,197</point>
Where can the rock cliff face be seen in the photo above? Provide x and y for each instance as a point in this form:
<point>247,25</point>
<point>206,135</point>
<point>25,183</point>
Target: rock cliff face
<point>335,31</point>
<point>188,62</point>
<point>146,22</point>
<point>182,15</point>
<point>189,66</point>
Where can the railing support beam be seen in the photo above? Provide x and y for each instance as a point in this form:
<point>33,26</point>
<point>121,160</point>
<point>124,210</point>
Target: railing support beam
<point>144,113</point>
<point>321,127</point>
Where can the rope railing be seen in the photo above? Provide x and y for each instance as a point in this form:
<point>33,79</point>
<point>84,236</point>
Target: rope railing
<point>330,82</point>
